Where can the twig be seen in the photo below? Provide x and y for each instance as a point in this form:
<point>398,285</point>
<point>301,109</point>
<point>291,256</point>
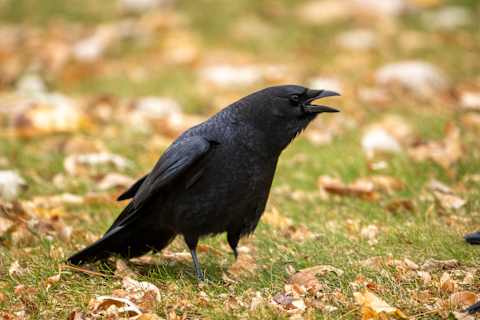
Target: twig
<point>94,273</point>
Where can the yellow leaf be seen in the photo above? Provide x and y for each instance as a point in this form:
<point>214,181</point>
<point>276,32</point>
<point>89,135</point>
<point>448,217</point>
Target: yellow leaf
<point>373,307</point>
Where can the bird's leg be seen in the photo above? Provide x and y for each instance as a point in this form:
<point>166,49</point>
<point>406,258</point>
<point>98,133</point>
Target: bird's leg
<point>192,242</point>
<point>233,238</point>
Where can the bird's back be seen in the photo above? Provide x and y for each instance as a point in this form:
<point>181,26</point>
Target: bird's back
<point>231,188</point>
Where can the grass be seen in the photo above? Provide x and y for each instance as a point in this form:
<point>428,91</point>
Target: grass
<point>424,233</point>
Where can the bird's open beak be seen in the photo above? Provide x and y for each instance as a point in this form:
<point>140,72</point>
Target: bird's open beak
<point>308,107</point>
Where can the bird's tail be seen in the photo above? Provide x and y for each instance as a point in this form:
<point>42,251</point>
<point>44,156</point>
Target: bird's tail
<point>98,250</point>
<point>126,238</point>
<point>125,243</point>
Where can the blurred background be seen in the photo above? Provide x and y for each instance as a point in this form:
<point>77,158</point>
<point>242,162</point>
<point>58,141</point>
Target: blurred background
<point>91,93</point>
<point>123,70</point>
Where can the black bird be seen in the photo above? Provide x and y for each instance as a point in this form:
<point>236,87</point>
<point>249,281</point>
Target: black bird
<point>474,308</point>
<point>473,238</point>
<point>214,178</point>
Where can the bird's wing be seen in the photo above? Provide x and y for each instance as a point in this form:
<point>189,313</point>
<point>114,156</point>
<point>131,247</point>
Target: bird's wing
<point>130,193</point>
<point>177,159</point>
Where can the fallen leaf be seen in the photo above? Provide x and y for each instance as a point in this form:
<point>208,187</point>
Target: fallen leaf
<point>244,266</point>
<point>11,183</point>
<point>52,280</point>
<point>110,306</point>
<point>357,40</point>
<point>298,232</point>
<point>447,284</point>
<point>76,163</point>
<point>15,270</point>
<point>448,18</point>
<point>149,316</point>
<point>289,304</point>
<point>378,140</point>
<point>425,276</point>
<point>445,152</point>
<point>362,188</point>
<point>449,201</point>
<point>373,307</point>
<point>462,299</point>
<point>463,316</point>
<point>274,218</point>
<point>380,8</point>
<point>399,205</point>
<point>257,300</point>
<point>307,277</point>
<point>76,315</point>
<point>470,100</point>
<point>145,294</point>
<point>418,77</point>
<point>370,233</point>
<point>434,265</point>
<point>323,12</point>
<point>122,270</point>
<point>114,180</point>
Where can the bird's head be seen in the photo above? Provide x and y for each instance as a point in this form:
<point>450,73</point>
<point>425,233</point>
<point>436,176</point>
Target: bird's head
<point>282,112</point>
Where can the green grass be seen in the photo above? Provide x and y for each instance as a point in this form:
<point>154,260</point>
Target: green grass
<point>424,233</point>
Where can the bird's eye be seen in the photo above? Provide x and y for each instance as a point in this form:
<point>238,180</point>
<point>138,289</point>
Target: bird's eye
<point>295,98</point>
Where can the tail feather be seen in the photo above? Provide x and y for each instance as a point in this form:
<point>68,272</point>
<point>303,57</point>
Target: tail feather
<point>99,250</point>
<point>124,242</point>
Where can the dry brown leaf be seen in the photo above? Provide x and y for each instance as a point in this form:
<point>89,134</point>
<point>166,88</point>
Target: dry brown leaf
<point>149,316</point>
<point>373,307</point>
<point>445,152</point>
<point>47,113</point>
<point>76,315</point>
<point>307,277</point>
<point>52,280</point>
<point>16,270</point>
<point>114,180</point>
<point>370,233</point>
<point>368,188</point>
<point>257,300</point>
<point>324,12</point>
<point>377,140</point>
<point>145,294</point>
<point>425,276</point>
<point>400,205</point>
<point>77,164</point>
<point>288,303</point>
<point>434,265</point>
<point>298,233</point>
<point>176,256</point>
<point>447,284</point>
<point>463,316</point>
<point>109,306</point>
<point>57,200</point>
<point>274,218</point>
<point>386,183</point>
<point>462,299</point>
<point>362,189</point>
<point>122,270</point>
<point>11,184</point>
<point>6,226</point>
<point>244,266</point>
<point>449,201</point>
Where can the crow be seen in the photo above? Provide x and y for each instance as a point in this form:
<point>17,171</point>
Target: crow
<point>214,178</point>
<point>473,238</point>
